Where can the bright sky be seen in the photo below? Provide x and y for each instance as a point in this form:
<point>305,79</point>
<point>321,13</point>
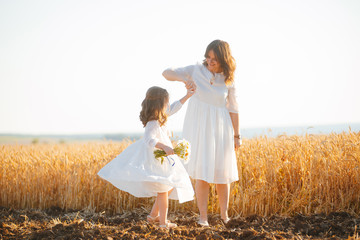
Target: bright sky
<point>84,66</point>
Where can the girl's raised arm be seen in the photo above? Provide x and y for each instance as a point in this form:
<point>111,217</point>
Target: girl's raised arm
<point>176,106</point>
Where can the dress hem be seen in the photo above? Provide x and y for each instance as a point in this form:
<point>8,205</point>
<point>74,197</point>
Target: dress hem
<point>213,182</point>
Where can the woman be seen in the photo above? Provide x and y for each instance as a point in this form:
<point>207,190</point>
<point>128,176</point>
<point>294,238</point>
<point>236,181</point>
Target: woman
<point>211,124</point>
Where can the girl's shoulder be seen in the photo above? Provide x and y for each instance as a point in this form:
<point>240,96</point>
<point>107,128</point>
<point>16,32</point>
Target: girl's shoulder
<point>152,123</point>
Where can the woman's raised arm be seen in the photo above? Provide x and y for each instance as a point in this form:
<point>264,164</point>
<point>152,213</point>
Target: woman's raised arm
<point>171,75</point>
<point>181,75</point>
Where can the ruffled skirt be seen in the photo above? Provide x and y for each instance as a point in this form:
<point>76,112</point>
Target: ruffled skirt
<point>137,172</point>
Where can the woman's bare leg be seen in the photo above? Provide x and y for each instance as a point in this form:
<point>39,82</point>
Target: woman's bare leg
<point>202,196</point>
<point>223,191</point>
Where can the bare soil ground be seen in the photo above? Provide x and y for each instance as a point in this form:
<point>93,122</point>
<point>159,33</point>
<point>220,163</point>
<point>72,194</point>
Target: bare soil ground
<point>54,223</point>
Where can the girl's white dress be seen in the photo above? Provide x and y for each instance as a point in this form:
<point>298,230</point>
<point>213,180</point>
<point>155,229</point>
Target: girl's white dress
<point>208,126</point>
<point>137,172</point>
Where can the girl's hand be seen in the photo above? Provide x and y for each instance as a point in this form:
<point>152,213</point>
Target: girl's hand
<point>190,93</point>
<point>168,150</point>
<point>191,87</point>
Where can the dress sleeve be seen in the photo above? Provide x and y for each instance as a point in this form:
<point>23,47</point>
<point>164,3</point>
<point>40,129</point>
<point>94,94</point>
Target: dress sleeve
<point>183,73</point>
<point>174,108</point>
<point>151,130</point>
<point>231,100</point>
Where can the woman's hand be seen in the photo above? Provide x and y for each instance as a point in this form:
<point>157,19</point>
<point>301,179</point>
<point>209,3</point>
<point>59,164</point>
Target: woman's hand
<point>237,143</point>
<point>190,85</point>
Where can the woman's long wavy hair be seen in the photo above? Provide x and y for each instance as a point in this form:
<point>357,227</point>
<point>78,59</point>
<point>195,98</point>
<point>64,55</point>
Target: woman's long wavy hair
<point>154,106</point>
<point>223,56</point>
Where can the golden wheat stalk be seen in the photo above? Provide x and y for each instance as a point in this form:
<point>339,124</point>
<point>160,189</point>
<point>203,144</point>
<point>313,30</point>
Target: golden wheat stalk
<point>284,175</point>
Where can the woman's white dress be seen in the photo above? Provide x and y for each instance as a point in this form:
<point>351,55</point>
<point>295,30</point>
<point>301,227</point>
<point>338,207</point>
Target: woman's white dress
<point>137,172</point>
<point>208,126</point>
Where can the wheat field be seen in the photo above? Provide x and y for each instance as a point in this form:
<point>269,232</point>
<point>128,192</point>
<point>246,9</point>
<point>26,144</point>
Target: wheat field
<point>283,175</point>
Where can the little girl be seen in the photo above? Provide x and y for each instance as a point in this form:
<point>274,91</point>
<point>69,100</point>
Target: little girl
<point>136,170</point>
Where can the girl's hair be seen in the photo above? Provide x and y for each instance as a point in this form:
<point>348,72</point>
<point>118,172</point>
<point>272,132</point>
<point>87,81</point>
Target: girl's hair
<point>154,106</point>
<point>223,56</point>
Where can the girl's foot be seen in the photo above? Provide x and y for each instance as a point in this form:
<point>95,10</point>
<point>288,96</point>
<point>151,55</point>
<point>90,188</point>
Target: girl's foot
<point>152,219</point>
<point>168,225</point>
<point>203,223</point>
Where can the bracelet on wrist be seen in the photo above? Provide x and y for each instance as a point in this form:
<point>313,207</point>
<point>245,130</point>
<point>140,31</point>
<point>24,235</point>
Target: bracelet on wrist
<point>237,136</point>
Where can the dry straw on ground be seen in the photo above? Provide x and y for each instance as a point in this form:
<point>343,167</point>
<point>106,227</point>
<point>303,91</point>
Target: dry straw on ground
<point>283,175</point>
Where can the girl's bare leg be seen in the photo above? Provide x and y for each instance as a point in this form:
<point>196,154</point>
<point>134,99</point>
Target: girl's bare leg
<point>223,191</point>
<point>162,200</point>
<point>202,195</point>
<point>155,209</point>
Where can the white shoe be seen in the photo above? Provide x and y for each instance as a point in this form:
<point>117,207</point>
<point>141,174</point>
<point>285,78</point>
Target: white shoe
<point>203,223</point>
<point>168,225</point>
<point>225,221</point>
<point>151,219</point>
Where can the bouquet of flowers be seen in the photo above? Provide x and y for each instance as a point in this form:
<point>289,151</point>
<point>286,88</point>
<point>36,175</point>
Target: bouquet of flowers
<point>182,149</point>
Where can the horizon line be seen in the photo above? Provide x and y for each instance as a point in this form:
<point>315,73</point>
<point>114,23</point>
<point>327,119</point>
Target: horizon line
<point>307,126</point>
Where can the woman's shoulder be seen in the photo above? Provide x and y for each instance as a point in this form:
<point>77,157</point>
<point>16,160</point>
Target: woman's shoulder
<point>191,68</point>
<point>197,68</point>
<point>198,65</point>
<point>231,85</point>
<point>194,66</point>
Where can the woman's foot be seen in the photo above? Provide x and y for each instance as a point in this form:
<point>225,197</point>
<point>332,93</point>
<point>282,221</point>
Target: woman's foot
<point>152,219</point>
<point>168,225</point>
<point>203,223</point>
<point>224,217</point>
<point>226,220</point>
